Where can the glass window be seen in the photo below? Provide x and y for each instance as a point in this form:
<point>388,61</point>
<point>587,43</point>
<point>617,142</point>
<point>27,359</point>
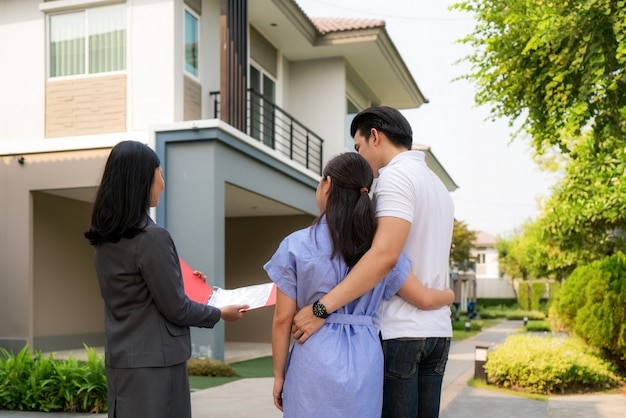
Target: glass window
<point>191,43</point>
<point>88,41</point>
<point>262,111</point>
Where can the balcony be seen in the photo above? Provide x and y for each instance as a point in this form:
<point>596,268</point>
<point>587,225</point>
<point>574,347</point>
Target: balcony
<point>278,130</point>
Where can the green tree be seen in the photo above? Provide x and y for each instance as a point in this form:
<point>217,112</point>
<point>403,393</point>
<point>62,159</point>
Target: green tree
<point>559,68</point>
<point>556,66</point>
<point>462,241</point>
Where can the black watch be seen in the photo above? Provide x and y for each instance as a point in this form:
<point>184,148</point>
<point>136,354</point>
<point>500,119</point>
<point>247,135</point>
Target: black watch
<point>319,310</point>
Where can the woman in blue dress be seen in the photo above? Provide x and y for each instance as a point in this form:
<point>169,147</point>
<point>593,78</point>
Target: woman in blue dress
<point>339,371</point>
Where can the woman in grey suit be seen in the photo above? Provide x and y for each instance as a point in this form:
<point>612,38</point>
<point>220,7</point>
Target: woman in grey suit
<point>147,314</point>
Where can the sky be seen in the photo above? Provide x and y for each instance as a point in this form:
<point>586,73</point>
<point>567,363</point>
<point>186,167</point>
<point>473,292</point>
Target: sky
<point>500,185</point>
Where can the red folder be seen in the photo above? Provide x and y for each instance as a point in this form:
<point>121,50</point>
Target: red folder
<point>195,288</point>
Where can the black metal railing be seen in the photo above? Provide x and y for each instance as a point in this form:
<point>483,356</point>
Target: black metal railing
<point>278,130</point>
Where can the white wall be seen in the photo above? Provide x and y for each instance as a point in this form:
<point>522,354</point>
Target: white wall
<point>153,63</point>
<point>209,53</point>
<point>22,71</point>
<point>320,85</point>
<point>491,265</point>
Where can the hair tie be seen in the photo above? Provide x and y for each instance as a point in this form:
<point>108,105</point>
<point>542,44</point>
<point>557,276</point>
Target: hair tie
<point>364,190</point>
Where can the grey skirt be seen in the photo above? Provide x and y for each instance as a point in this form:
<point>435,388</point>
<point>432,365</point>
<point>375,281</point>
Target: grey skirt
<point>150,392</point>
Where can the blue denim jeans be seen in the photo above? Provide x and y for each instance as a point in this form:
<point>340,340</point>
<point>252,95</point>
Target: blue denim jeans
<point>413,376</point>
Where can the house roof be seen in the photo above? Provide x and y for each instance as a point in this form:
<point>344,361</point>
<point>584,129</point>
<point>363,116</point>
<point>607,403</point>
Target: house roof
<point>373,61</point>
<point>332,24</point>
<point>433,163</point>
<point>484,239</point>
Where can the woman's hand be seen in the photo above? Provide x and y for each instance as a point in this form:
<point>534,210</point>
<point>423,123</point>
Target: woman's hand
<point>200,274</point>
<point>233,312</point>
<point>278,392</point>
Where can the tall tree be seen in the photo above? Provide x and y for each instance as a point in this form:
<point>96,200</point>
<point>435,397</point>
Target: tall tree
<point>558,66</point>
<point>462,241</point>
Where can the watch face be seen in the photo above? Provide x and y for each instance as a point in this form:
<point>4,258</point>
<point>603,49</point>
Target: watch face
<point>319,310</point>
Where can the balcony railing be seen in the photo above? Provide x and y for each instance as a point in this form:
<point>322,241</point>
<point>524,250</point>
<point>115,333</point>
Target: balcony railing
<point>278,130</point>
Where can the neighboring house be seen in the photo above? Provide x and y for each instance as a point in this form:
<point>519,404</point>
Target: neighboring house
<point>489,283</point>
<point>244,101</point>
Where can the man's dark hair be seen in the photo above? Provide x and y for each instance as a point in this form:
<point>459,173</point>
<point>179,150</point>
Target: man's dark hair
<point>386,120</point>
<point>349,209</point>
<point>123,198</point>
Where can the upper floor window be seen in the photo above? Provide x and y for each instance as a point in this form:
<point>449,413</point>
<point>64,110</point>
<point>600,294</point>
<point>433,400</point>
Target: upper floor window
<point>191,43</point>
<point>262,105</point>
<point>88,41</point>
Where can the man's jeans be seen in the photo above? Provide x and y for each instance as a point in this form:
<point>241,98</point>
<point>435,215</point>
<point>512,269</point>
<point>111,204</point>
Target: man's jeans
<point>413,376</point>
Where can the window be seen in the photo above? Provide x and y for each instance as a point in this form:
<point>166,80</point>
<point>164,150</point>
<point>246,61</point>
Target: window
<point>262,99</point>
<point>88,41</point>
<point>191,43</point>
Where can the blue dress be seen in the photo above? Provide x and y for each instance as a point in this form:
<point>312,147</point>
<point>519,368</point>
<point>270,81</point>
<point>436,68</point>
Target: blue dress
<point>338,371</point>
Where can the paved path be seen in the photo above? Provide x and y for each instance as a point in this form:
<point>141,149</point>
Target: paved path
<point>252,397</point>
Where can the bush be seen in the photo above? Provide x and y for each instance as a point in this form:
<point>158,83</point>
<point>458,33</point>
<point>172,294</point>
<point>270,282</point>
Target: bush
<point>593,304</point>
<point>209,367</point>
<point>460,325</point>
<point>537,326</point>
<point>549,364</point>
<point>537,289</point>
<point>491,313</point>
<point>531,315</point>
<point>497,303</point>
<point>30,382</point>
<point>522,295</point>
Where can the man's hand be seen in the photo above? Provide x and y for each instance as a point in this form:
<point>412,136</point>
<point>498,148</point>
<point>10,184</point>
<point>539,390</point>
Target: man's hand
<point>305,324</point>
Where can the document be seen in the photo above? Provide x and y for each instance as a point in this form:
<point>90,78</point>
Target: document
<point>256,296</point>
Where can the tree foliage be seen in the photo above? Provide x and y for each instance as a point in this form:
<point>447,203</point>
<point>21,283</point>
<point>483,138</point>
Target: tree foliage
<point>462,241</point>
<point>558,66</point>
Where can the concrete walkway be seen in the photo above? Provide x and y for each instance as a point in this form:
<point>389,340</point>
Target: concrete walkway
<point>253,397</point>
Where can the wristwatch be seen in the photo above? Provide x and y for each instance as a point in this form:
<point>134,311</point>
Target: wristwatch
<point>319,310</point>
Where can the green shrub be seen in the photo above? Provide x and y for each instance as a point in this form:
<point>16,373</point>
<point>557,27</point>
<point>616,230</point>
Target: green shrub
<point>475,325</point>
<point>491,313</point>
<point>497,303</point>
<point>554,288</point>
<point>549,365</point>
<point>209,367</point>
<point>593,304</point>
<point>31,382</point>
<point>522,295</point>
<point>537,289</point>
<point>537,326</point>
<point>531,315</point>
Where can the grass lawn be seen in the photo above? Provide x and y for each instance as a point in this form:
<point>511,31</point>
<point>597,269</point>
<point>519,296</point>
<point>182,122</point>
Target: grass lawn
<point>260,367</point>
<point>458,335</point>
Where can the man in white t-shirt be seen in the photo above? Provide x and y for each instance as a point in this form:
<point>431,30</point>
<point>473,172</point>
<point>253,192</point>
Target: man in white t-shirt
<point>415,214</point>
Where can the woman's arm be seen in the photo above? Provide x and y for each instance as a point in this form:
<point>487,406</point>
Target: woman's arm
<point>284,312</point>
<point>414,292</point>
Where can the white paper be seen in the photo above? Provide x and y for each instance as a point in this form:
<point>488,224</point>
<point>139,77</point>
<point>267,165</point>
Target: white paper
<point>255,296</point>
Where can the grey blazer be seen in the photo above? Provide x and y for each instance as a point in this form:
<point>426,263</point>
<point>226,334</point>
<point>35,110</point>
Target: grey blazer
<point>147,314</point>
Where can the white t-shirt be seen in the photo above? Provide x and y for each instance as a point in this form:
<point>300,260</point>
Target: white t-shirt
<point>409,190</point>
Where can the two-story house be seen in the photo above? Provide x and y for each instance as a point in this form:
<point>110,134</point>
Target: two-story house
<point>244,101</point>
<point>489,282</point>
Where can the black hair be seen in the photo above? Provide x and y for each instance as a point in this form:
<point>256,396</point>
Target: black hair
<point>123,198</point>
<point>349,209</point>
<point>387,120</point>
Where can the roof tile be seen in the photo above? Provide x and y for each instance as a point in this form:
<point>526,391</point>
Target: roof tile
<point>336,24</point>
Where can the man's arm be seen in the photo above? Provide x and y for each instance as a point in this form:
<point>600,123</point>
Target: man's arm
<point>375,264</point>
<point>414,292</point>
